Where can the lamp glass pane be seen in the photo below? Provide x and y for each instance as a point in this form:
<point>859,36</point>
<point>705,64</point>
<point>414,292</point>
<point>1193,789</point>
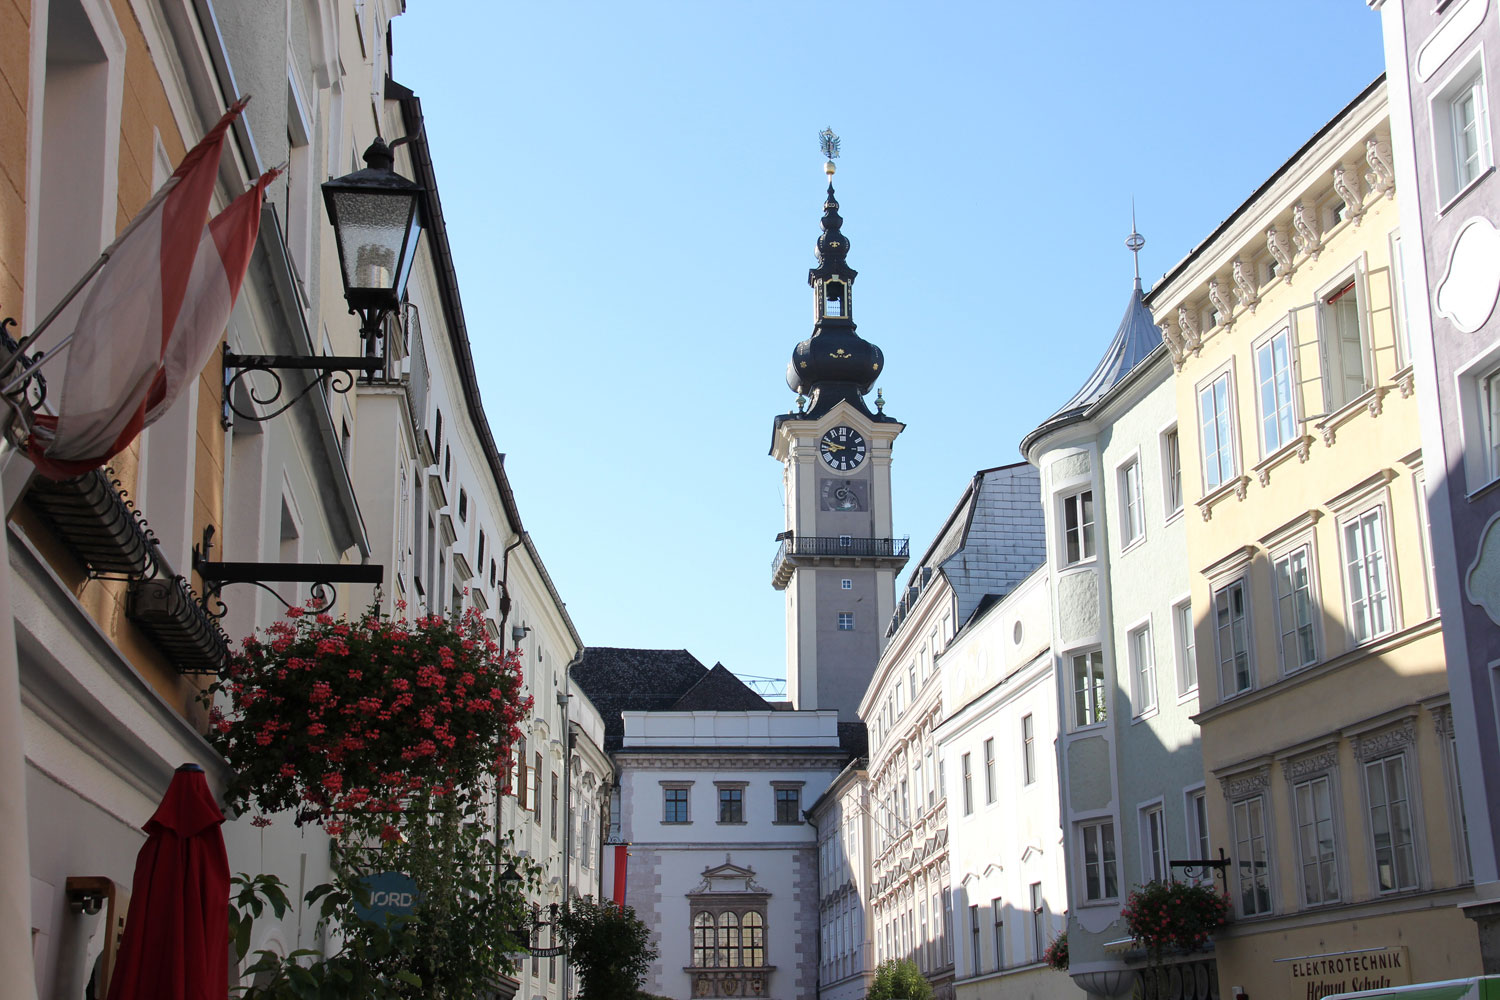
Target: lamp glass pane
<point>372,233</point>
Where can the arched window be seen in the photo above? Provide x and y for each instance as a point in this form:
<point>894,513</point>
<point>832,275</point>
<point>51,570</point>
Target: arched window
<point>833,299</point>
<point>754,940</point>
<point>729,940</point>
<point>703,941</point>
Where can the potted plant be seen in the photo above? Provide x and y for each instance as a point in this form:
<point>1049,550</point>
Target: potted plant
<point>1172,915</point>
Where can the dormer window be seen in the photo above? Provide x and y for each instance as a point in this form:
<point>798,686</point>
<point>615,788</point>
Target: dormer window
<point>834,302</point>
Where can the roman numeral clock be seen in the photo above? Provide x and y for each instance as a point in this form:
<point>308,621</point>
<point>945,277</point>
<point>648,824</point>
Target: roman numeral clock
<point>838,557</point>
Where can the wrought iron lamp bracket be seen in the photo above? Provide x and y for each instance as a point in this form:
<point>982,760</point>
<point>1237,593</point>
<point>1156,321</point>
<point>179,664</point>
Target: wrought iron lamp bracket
<point>322,577</point>
<point>31,386</point>
<point>1198,867</point>
<point>334,370</point>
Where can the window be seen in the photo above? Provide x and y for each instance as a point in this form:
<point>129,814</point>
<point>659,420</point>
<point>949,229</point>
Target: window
<point>463,504</point>
<point>1316,846</point>
<point>846,584</point>
<point>788,805</point>
<point>1142,668</point>
<point>1293,582</point>
<point>973,936</point>
<point>1468,122</point>
<point>1078,526</point>
<point>523,775</point>
<point>1197,817</point>
<point>989,771</point>
<point>1233,636</point>
<point>1028,750</point>
<point>846,621</point>
<point>1088,688</point>
<point>932,781</point>
<point>1132,504</point>
<point>1489,429</point>
<point>968,786</point>
<point>1186,647</point>
<point>943,938</point>
<point>1341,340</point>
<point>833,299</point>
<point>553,816</point>
<point>1366,576</point>
<point>1154,843</point>
<point>1218,437</point>
<point>674,805</point>
<point>1171,465</point>
<point>846,541</point>
<point>731,805</point>
<point>911,676</point>
<point>1100,878</point>
<point>1390,824</point>
<point>1038,922</point>
<point>997,932</point>
<point>1273,383</point>
<point>1459,817</point>
<point>1251,859</point>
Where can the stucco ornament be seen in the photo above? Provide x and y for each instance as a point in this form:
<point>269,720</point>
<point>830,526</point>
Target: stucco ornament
<point>1382,173</point>
<point>1281,249</point>
<point>1219,296</point>
<point>1174,342</point>
<point>1467,292</point>
<point>1346,184</point>
<point>1482,581</point>
<point>1245,288</point>
<point>1189,328</point>
<point>1305,230</point>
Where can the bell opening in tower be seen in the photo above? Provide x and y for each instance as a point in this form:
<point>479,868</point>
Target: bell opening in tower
<point>833,299</point>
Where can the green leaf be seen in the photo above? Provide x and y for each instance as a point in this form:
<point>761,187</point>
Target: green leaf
<point>409,978</point>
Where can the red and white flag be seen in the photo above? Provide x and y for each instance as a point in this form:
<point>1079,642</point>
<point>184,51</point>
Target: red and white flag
<point>153,315</point>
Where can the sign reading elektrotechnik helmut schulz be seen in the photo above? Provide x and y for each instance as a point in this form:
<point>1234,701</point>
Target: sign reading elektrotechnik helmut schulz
<point>1316,976</point>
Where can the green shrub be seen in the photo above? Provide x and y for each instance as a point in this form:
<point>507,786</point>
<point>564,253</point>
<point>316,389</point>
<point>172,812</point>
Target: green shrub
<point>899,979</point>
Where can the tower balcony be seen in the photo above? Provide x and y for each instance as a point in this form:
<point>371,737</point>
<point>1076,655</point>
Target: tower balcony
<point>836,550</point>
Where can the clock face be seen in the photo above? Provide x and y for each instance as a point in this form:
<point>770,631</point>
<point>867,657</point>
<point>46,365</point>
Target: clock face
<point>842,448</point>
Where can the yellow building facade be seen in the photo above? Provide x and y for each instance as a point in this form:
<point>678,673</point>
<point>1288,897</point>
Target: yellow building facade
<point>1326,732</point>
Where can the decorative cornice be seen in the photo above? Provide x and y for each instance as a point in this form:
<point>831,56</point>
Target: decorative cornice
<point>1382,173</point>
<point>722,762</point>
<point>1305,230</point>
<point>1191,338</point>
<point>1239,485</point>
<point>1369,746</point>
<point>1346,185</point>
<point>1175,345</point>
<point>1282,251</point>
<point>1246,289</point>
<point>1246,783</point>
<point>1324,758</point>
<point>1442,719</point>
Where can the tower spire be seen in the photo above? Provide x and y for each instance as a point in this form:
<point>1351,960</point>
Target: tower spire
<point>1133,243</point>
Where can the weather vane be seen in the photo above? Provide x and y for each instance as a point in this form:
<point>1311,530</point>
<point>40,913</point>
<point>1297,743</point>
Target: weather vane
<point>830,143</point>
<point>1134,242</point>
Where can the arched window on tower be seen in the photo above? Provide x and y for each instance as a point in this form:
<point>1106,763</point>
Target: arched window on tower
<point>704,953</point>
<point>754,943</point>
<point>729,939</point>
<point>834,299</point>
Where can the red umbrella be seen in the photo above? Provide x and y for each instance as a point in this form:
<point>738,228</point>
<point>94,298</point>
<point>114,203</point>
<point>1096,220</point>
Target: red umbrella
<point>176,944</point>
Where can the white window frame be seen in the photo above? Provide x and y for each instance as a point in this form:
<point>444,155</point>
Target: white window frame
<point>846,584</point>
<point>1171,471</point>
<point>1028,749</point>
<point>1225,692</point>
<point>846,621</point>
<point>1424,522</point>
<point>1185,647</point>
<point>1292,659</point>
<point>1350,281</point>
<point>1303,793</point>
<point>1458,820</point>
<point>991,788</point>
<point>1132,507</point>
<point>967,771</point>
<point>1195,822</point>
<point>1140,650</point>
<point>1481,412</point>
<point>1288,416</point>
<point>1398,297</point>
<point>1089,704</point>
<point>1087,531</point>
<point>1468,78</point>
<point>1091,831</point>
<point>1414,846</point>
<point>1038,902</point>
<point>1245,806</point>
<point>1152,822</point>
<point>1226,450</point>
<point>1380,512</point>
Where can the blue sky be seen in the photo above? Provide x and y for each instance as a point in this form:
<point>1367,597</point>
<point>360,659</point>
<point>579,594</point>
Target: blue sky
<point>633,190</point>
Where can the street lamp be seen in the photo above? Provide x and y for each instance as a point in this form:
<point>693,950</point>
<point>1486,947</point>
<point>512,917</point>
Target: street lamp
<point>376,225</point>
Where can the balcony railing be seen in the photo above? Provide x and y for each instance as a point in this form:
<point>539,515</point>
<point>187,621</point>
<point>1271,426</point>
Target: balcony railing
<point>807,549</point>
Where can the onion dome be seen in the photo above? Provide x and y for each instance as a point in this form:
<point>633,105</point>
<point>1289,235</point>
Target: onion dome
<point>835,363</point>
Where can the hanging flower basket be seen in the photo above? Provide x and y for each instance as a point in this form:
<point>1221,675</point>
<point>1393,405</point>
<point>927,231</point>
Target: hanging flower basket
<point>344,718</point>
<point>1056,954</point>
<point>1170,915</point>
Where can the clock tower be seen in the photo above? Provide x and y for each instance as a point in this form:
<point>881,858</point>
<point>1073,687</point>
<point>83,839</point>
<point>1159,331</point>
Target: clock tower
<point>838,558</point>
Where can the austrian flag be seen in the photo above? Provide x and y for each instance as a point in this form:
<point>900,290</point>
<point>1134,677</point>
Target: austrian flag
<point>153,314</point>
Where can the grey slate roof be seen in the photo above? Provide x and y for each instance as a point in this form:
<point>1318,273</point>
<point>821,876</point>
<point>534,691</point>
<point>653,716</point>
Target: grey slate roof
<point>1134,341</point>
<point>656,680</point>
<point>992,541</point>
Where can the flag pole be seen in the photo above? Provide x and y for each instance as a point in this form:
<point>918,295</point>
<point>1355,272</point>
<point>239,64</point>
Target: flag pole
<point>15,853</point>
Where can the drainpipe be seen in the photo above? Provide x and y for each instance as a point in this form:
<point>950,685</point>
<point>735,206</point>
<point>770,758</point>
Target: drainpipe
<point>568,742</point>
<point>817,969</point>
<point>505,585</point>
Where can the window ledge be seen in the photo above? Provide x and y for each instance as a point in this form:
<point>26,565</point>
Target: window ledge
<point>1146,716</point>
<point>1092,727</point>
<point>1173,515</point>
<point>1372,399</point>
<point>1458,196</point>
<point>676,822</point>
<point>1134,543</point>
<point>1236,485</point>
<point>1299,446</point>
<point>732,822</point>
<point>1483,491</point>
